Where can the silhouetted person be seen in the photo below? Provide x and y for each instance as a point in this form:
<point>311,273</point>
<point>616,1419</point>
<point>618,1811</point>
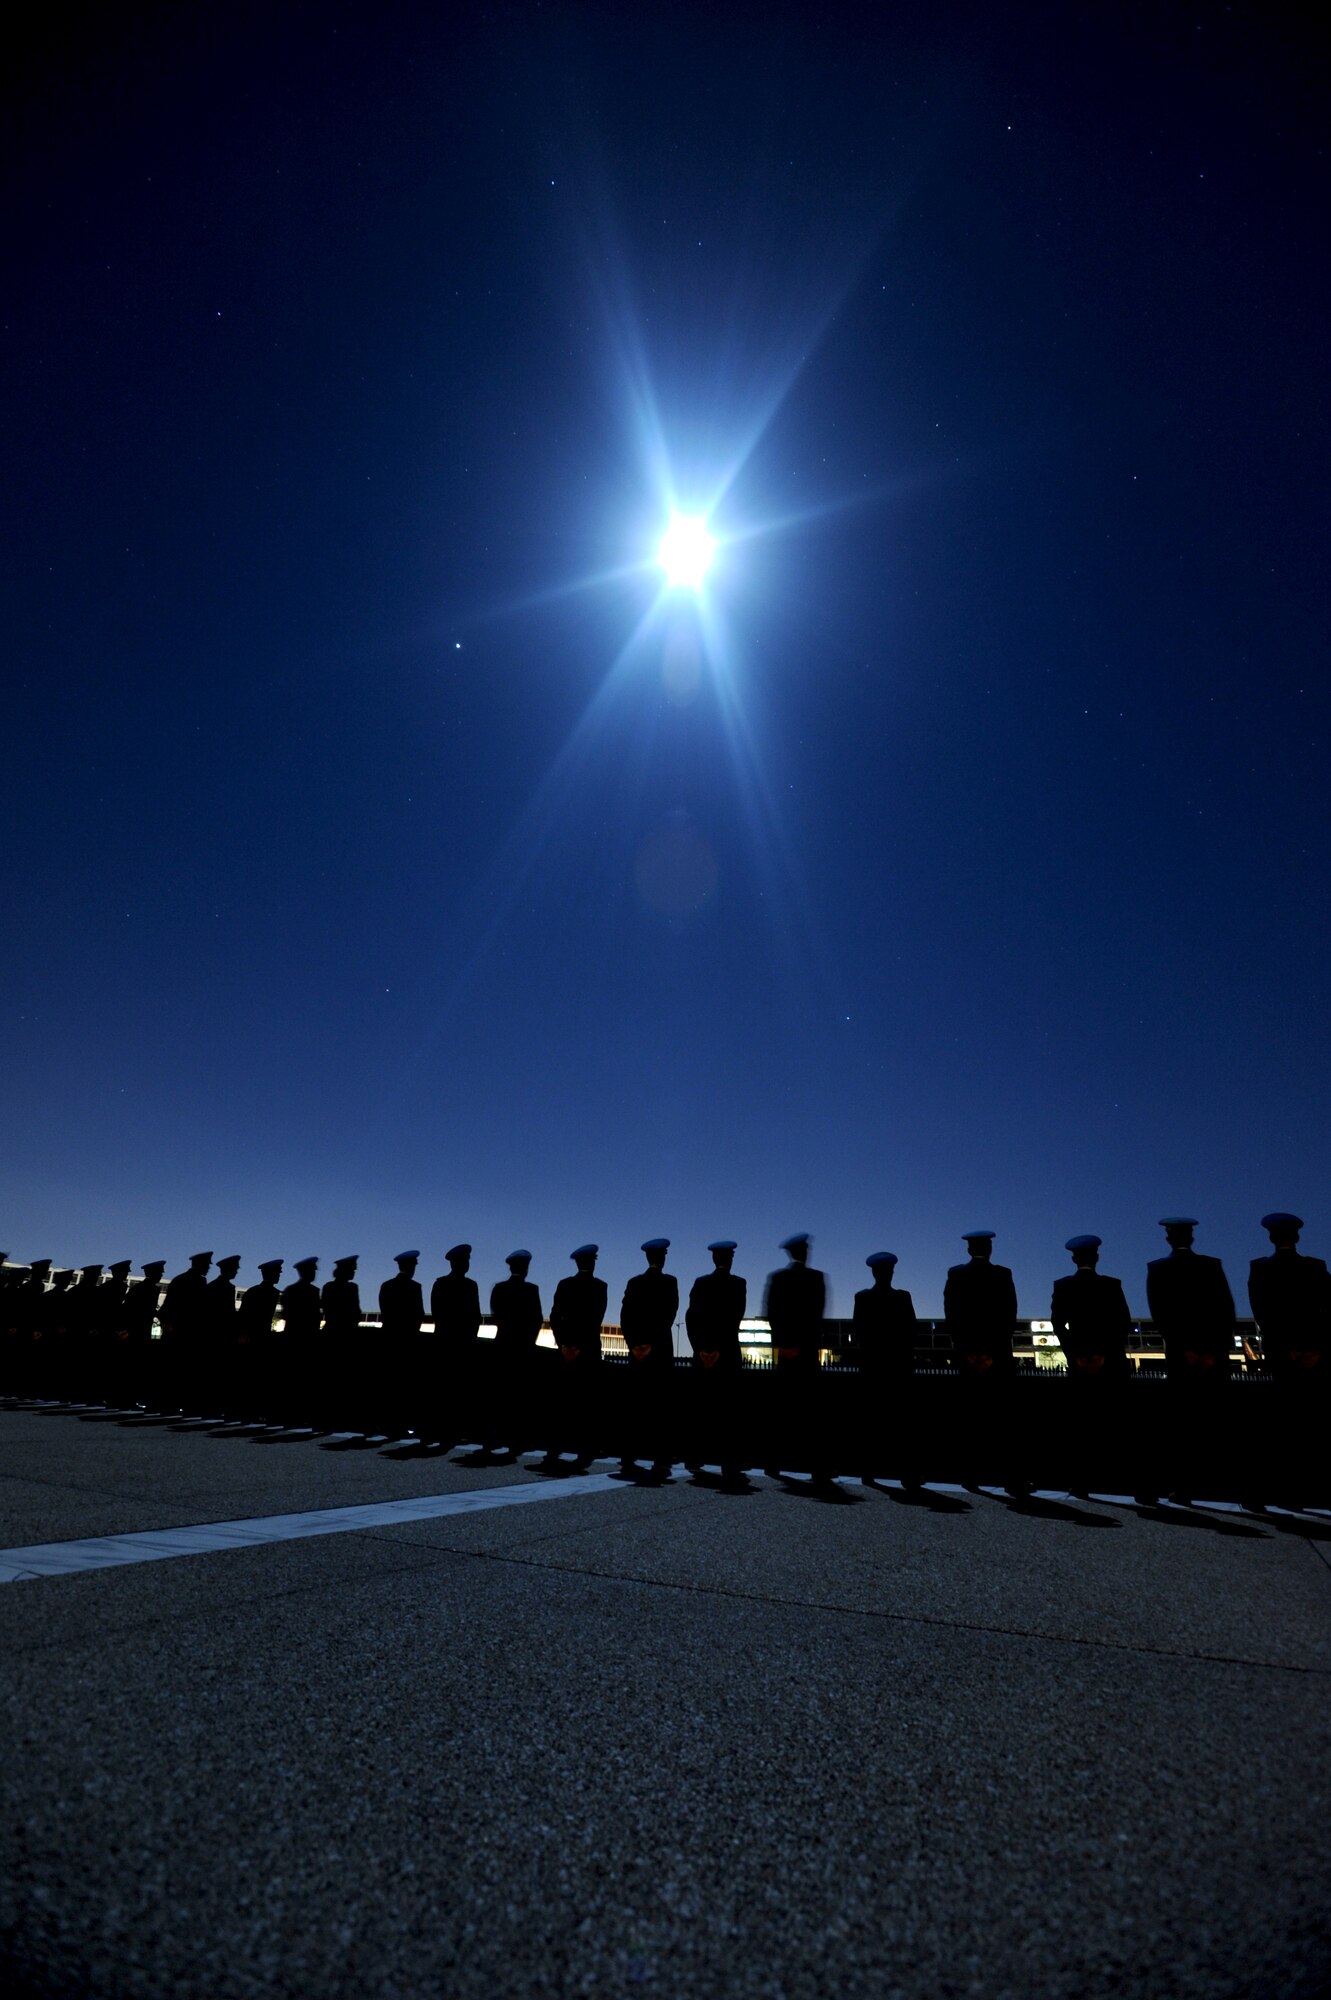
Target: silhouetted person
<point>718,1301</point>
<point>515,1308</point>
<point>135,1332</point>
<point>219,1341</point>
<point>647,1319</point>
<point>117,1382</point>
<point>84,1368</point>
<point>402,1313</point>
<point>257,1354</point>
<point>577,1315</point>
<point>884,1331</point>
<point>302,1314</point>
<point>1193,1309</point>
<point>455,1308</point>
<point>793,1306</point>
<point>182,1316</point>
<point>57,1327</point>
<point>980,1307</point>
<point>1189,1299</point>
<point>1091,1319</point>
<point>29,1317</point>
<point>1290,1296</point>
<point>340,1301</point>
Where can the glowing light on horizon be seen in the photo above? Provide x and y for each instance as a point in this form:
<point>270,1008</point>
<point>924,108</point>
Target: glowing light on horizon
<point>686,551</point>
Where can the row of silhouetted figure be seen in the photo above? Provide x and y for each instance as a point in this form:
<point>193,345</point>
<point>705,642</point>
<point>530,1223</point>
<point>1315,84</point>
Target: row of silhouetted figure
<point>302,1353</point>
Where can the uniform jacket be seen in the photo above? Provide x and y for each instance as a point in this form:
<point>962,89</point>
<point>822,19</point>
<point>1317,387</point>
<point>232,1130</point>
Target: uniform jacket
<point>648,1313</point>
<point>980,1306</point>
<point>340,1300</point>
<point>401,1304</point>
<point>515,1308</point>
<point>884,1329</point>
<point>796,1298</point>
<point>455,1307</point>
<point>578,1312</point>
<point>185,1304</point>
<point>301,1309</point>
<point>254,1317</point>
<point>1191,1304</point>
<point>85,1306</point>
<point>29,1311</point>
<point>1092,1321</point>
<point>140,1308</point>
<point>220,1302</point>
<point>1290,1295</point>
<point>717,1302</point>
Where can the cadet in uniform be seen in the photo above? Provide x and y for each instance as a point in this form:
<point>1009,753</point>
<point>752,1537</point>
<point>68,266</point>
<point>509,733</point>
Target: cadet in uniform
<point>1189,1299</point>
<point>134,1335</point>
<point>647,1321</point>
<point>301,1315</point>
<point>1290,1295</point>
<point>402,1315</point>
<point>717,1303</point>
<point>29,1316</point>
<point>1091,1319</point>
<point>980,1307</point>
<point>884,1330</point>
<point>455,1308</point>
<point>794,1302</point>
<point>1193,1308</point>
<point>113,1322</point>
<point>218,1336</point>
<point>183,1314</point>
<point>255,1357</point>
<point>56,1331</point>
<point>84,1369</point>
<point>340,1301</point>
<point>577,1315</point>
<point>515,1308</point>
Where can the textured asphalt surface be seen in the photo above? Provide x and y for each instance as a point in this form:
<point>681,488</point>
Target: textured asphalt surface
<point>652,1741</point>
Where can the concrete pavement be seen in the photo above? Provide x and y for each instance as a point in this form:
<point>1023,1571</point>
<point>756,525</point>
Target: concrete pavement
<point>652,1741</point>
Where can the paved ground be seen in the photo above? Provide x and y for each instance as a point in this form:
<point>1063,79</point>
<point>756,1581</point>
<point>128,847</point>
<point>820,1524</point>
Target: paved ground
<point>652,1742</point>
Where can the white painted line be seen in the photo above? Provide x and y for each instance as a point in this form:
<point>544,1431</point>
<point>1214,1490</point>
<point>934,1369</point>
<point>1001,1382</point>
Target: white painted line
<point>155,1545</point>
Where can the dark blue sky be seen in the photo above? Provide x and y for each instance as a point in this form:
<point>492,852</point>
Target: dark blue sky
<point>960,859</point>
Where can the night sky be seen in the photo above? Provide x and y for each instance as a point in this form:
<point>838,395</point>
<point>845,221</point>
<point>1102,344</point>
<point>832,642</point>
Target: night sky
<point>391,858</point>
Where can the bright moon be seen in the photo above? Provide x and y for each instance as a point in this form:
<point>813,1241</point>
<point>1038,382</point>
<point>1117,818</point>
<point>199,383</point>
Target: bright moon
<point>686,551</point>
